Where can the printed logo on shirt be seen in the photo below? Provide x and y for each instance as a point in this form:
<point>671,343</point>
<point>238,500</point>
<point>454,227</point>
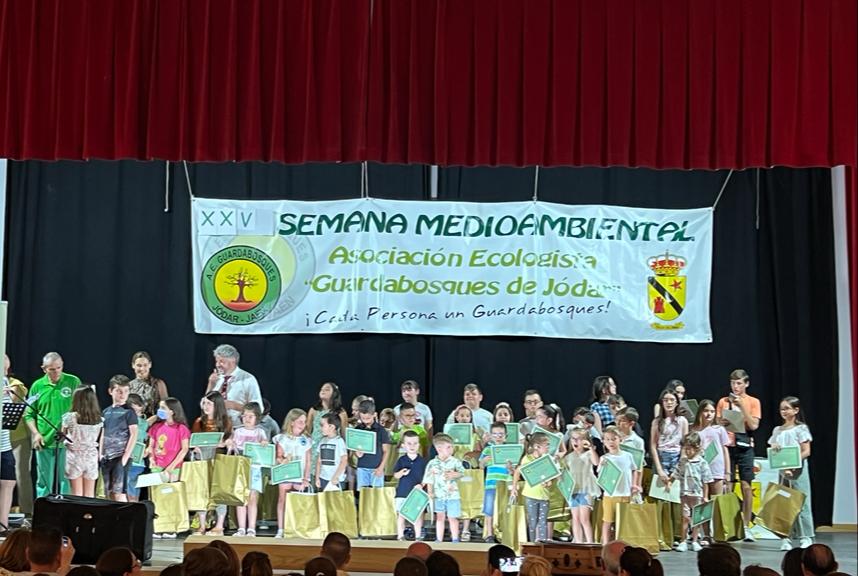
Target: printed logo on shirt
<point>327,454</point>
<point>66,392</point>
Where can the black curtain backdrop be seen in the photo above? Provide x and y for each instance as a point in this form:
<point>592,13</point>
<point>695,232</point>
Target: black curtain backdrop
<point>96,269</point>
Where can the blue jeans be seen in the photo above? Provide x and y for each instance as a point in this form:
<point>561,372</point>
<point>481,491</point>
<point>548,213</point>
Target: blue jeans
<point>131,480</point>
<point>367,478</point>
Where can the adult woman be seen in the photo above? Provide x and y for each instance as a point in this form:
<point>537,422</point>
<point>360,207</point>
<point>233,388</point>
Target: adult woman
<point>151,389</point>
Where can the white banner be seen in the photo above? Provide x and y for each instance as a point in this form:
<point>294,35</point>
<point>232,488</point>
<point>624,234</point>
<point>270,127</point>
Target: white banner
<point>456,268</point>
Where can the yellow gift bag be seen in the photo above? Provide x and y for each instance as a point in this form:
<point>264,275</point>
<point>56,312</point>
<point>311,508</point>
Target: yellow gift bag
<point>558,509</point>
<point>377,512</point>
<point>596,514</point>
<point>509,520</point>
<point>196,476</point>
<point>230,480</point>
<point>779,508</point>
<point>727,521</point>
<point>338,512</point>
<point>637,525</point>
<point>267,504</point>
<point>171,507</point>
<point>302,517</point>
<point>665,525</point>
<point>471,492</point>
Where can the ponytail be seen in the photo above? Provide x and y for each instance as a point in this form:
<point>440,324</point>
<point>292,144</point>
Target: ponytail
<point>531,440</point>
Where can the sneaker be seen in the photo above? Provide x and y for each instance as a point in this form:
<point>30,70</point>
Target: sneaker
<point>491,540</point>
<point>279,534</point>
<point>466,536</point>
<point>156,535</point>
<point>696,546</point>
<point>240,532</point>
<point>419,537</point>
<point>454,540</point>
<point>251,533</point>
<point>805,542</point>
<point>168,535</point>
<point>681,547</point>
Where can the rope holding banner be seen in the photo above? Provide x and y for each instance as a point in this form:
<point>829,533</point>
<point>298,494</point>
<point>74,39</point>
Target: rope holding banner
<point>364,180</point>
<point>536,184</point>
<point>723,186</point>
<point>167,188</point>
<point>188,179</point>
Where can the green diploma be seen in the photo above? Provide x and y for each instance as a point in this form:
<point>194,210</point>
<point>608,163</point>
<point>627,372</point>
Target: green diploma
<point>414,505</point>
<point>137,453</point>
<point>636,454</point>
<point>503,453</point>
<point>203,439</point>
<point>288,472</point>
<point>702,513</point>
<point>554,439</point>
<point>360,440</point>
<point>462,434</point>
<point>566,485</point>
<point>512,433</point>
<point>787,458</point>
<point>711,452</point>
<point>260,455</point>
<point>540,470</point>
<point>609,477</point>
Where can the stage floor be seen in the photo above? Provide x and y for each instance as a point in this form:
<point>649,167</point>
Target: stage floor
<point>765,552</point>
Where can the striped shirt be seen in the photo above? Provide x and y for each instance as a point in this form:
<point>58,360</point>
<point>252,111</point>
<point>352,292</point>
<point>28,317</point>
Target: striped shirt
<point>494,472</point>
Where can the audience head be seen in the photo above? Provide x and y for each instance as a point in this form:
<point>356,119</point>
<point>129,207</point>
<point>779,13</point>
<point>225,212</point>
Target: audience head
<point>256,564</point>
<point>442,564</point>
<point>173,570</point>
<point>535,566</point>
<point>118,561</point>
<point>757,570</point>
<point>497,552</point>
<point>84,571</point>
<point>338,548</point>
<point>13,551</point>
<point>44,549</point>
<point>320,566</point>
<point>420,550</point>
<point>208,561</point>
<point>818,560</point>
<point>791,563</point>
<point>611,553</point>
<point>636,561</point>
<point>719,560</point>
<point>229,552</point>
<point>410,566</point>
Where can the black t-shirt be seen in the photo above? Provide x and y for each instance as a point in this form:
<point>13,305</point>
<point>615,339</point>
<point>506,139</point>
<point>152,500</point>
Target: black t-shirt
<point>381,437</point>
<point>413,478</point>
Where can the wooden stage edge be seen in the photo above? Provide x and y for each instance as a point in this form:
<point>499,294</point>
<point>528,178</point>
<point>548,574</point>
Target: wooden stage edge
<point>367,555</point>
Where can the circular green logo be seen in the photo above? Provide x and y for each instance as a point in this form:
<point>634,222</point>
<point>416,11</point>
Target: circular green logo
<point>240,284</point>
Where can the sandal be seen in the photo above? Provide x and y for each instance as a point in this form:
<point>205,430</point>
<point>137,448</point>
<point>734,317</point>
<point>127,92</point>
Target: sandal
<point>215,532</point>
<point>200,532</point>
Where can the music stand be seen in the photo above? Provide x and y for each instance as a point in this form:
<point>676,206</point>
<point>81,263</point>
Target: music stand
<point>12,414</point>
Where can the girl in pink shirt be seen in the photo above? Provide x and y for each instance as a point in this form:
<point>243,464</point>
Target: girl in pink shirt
<point>170,439</point>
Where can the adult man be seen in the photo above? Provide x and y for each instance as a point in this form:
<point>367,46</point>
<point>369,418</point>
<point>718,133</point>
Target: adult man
<point>338,548</point>
<point>818,560</point>
<point>48,552</point>
<point>611,553</point>
<point>237,386</point>
<point>741,445</point>
<point>21,448</point>
<point>51,397</point>
<point>471,398</point>
<point>410,390</point>
<point>420,550</point>
<point>719,560</point>
<point>532,402</point>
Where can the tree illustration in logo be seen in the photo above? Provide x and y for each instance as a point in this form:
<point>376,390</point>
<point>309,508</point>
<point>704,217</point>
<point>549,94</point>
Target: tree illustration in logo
<point>243,279</point>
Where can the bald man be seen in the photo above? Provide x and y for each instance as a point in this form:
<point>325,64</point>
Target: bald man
<point>420,550</point>
<point>818,560</point>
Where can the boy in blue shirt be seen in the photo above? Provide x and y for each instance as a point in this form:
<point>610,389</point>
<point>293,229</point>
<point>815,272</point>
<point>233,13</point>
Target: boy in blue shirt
<point>409,470</point>
<point>495,472</point>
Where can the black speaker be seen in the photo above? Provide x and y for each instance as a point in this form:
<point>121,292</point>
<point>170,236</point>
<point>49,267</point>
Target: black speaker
<point>94,525</point>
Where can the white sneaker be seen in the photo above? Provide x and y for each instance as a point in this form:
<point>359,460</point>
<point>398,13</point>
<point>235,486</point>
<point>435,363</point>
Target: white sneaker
<point>168,535</point>
<point>240,532</point>
<point>156,535</point>
<point>279,534</point>
<point>696,546</point>
<point>805,542</point>
<point>681,547</point>
<point>251,533</point>
<point>786,544</point>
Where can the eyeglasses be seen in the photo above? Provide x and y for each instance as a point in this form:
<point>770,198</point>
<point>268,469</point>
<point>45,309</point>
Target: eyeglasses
<point>531,402</point>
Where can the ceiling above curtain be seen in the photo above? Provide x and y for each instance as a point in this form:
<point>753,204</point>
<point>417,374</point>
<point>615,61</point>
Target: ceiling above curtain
<point>660,83</point>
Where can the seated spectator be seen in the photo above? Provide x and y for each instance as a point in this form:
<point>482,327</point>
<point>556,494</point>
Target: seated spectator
<point>441,564</point>
<point>496,553</point>
<point>229,552</point>
<point>118,561</point>
<point>410,566</point>
<point>611,553</point>
<point>49,552</point>
<point>338,548</point>
<point>173,570</point>
<point>639,562</point>
<point>757,570</point>
<point>818,560</point>
<point>420,550</point>
<point>256,564</point>
<point>791,563</point>
<point>83,571</point>
<point>207,561</point>
<point>535,566</point>
<point>719,560</point>
<point>13,551</point>
<point>320,566</point>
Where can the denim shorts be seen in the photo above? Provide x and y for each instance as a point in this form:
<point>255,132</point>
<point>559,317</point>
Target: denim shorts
<point>131,480</point>
<point>453,508</point>
<point>579,499</point>
<point>489,502</point>
<point>669,461</point>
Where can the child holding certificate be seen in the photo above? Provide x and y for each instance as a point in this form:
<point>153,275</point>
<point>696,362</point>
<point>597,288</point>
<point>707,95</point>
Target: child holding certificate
<point>250,432</point>
<point>536,498</point>
<point>409,470</point>
<point>442,485</point>
<point>580,467</point>
<point>214,418</point>
<point>627,482</point>
<point>292,444</point>
<point>714,435</point>
<point>795,433</point>
<point>370,467</point>
<point>495,472</point>
<point>694,478</point>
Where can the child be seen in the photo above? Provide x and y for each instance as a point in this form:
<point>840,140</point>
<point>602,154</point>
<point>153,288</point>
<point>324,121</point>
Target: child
<point>629,478</point>
<point>710,431</point>
<point>120,436</point>
<point>370,467</point>
<point>441,480</point>
<point>387,419</point>
<point>580,467</point>
<point>548,417</point>
<point>250,431</point>
<point>292,444</point>
<point>694,477</point>
<point>794,432</point>
<point>408,421</point>
<point>495,472</point>
<point>83,425</point>
<point>469,455</point>
<point>136,468</point>
<point>410,390</point>
<point>627,421</point>
<point>617,403</point>
<point>586,419</point>
<point>665,436</point>
<point>353,419</point>
<point>169,438</point>
<point>503,413</point>
<point>214,418</point>
<point>330,402</point>
<point>536,498</point>
<point>333,456</point>
<point>409,470</point>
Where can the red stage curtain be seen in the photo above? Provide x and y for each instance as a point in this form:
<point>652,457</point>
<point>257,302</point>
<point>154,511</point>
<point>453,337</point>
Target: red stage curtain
<point>665,83</point>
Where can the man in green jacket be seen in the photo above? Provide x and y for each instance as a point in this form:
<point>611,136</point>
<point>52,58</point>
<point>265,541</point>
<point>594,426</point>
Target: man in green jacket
<point>51,395</point>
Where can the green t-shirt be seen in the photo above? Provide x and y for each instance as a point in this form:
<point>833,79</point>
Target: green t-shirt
<point>53,401</point>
